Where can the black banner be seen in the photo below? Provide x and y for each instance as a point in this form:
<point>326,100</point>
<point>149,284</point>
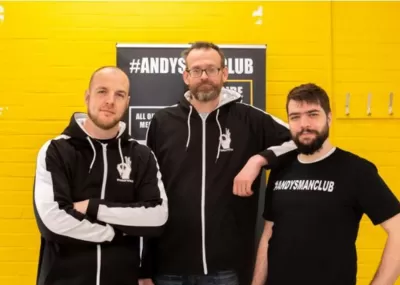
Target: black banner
<point>155,73</point>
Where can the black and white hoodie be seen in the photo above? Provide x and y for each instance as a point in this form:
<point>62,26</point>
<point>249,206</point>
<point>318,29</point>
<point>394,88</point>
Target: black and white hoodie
<point>209,228</point>
<point>127,200</point>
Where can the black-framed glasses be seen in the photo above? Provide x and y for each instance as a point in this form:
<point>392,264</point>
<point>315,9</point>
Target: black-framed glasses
<point>198,72</point>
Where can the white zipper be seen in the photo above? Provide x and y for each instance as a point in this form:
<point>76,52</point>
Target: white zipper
<point>203,197</point>
<point>103,192</point>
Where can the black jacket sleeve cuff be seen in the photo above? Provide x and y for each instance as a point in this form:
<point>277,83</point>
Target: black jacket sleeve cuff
<point>93,208</point>
<point>271,158</point>
<point>274,162</point>
<point>145,273</point>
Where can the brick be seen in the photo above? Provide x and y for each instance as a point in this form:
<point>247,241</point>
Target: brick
<point>11,280</point>
<point>16,183</point>
<point>18,226</point>
<point>362,128</point>
<point>8,198</point>
<point>305,75</point>
<point>25,155</point>
<point>301,62</point>
<point>46,113</point>
<point>17,169</point>
<point>17,212</point>
<point>19,269</point>
<point>18,254</point>
<point>14,144</point>
<point>31,240</point>
<point>53,99</point>
<point>35,127</point>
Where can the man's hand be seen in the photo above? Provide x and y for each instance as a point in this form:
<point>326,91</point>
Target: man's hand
<point>243,181</point>
<point>81,206</point>
<point>146,282</point>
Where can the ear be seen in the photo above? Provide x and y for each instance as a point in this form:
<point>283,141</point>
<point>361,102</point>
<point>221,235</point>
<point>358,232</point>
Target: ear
<point>225,74</point>
<point>185,76</point>
<point>87,95</point>
<point>329,117</point>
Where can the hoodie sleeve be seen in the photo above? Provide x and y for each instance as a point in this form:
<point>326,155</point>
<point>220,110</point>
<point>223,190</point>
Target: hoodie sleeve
<point>53,206</point>
<point>274,135</point>
<point>147,216</point>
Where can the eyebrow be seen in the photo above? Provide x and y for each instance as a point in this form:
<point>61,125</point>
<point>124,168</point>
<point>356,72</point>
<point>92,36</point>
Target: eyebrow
<point>308,112</point>
<point>118,91</point>
<point>205,66</point>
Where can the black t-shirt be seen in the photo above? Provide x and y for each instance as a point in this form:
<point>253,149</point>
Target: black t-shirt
<point>316,209</point>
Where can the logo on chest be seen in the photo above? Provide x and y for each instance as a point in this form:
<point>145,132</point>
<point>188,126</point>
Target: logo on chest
<point>225,141</point>
<point>305,185</point>
<point>124,170</point>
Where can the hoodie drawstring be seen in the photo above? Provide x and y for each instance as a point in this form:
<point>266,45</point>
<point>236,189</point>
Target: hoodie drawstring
<point>120,150</point>
<point>94,153</point>
<point>219,127</point>
<point>220,134</point>
<point>188,125</point>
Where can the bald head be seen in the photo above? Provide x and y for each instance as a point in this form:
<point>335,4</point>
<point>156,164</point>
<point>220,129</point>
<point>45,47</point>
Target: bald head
<point>108,72</point>
<point>107,97</point>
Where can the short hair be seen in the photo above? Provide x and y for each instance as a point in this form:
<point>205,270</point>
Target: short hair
<point>309,93</point>
<point>100,69</point>
<point>204,45</point>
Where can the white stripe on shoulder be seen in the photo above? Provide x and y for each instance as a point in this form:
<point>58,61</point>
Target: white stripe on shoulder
<point>172,106</point>
<point>60,137</point>
<point>276,119</point>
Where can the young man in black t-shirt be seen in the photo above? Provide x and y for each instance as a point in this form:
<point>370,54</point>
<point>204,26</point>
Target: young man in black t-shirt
<point>314,203</point>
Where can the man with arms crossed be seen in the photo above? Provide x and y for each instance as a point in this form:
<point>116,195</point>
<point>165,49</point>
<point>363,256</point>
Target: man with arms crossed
<point>203,144</point>
<point>314,204</point>
<point>96,192</point>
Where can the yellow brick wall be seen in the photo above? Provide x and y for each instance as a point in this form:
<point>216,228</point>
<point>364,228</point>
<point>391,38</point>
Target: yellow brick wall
<point>48,50</point>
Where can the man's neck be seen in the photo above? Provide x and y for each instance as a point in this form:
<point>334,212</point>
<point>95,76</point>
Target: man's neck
<point>326,148</point>
<point>205,107</point>
<point>98,133</point>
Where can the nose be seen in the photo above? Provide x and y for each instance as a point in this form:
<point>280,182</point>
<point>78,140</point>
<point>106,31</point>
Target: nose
<point>110,98</point>
<point>204,75</point>
<point>304,122</point>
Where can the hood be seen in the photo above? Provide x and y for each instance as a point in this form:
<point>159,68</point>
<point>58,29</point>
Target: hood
<point>76,130</point>
<point>226,97</point>
<point>82,138</point>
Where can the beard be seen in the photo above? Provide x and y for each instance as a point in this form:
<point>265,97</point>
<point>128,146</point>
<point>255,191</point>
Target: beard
<point>205,91</point>
<point>104,125</point>
<point>315,144</point>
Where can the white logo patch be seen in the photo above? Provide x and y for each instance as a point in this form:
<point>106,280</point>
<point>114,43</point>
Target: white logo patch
<point>124,170</point>
<point>225,141</point>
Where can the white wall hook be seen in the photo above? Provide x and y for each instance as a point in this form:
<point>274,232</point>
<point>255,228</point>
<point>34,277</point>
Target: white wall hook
<point>369,104</point>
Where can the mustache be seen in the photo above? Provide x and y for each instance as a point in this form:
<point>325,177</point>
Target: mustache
<point>206,83</point>
<point>308,131</point>
<point>107,110</point>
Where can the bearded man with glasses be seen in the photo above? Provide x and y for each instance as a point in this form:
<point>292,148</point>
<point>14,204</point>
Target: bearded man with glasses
<point>211,148</point>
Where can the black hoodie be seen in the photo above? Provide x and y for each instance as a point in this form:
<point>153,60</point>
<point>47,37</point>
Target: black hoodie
<point>209,228</point>
<point>122,182</point>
